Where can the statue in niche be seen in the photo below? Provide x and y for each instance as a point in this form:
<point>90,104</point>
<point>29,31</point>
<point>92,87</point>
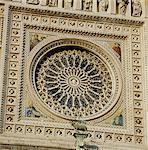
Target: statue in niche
<point>136,8</point>
<point>53,3</point>
<point>122,6</point>
<point>35,2</point>
<point>103,5</point>
<point>68,4</point>
<point>87,5</point>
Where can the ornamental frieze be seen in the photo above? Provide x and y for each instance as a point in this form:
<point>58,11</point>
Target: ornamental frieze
<point>132,8</point>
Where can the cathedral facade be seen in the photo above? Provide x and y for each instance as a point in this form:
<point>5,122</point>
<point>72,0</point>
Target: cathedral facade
<point>74,74</point>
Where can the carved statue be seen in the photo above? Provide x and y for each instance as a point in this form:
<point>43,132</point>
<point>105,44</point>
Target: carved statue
<point>136,8</point>
<point>80,134</point>
<point>122,6</point>
<point>103,5</point>
<point>87,5</point>
<point>35,2</point>
<point>68,4</point>
<point>53,3</point>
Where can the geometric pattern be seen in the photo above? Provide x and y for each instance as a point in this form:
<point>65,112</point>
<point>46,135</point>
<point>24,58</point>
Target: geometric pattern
<point>73,83</point>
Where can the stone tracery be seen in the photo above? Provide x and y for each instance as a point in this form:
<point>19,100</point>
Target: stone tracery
<point>75,81</point>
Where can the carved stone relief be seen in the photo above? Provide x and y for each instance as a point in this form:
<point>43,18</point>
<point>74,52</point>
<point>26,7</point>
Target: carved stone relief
<point>87,5</point>
<point>122,6</point>
<point>136,8</point>
<point>103,5</point>
<point>35,2</point>
<point>68,4</point>
<point>123,125</point>
<point>53,3</point>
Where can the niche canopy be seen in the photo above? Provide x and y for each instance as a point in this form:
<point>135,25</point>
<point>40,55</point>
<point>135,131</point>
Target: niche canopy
<point>75,79</point>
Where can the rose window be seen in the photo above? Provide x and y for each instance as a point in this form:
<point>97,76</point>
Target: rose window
<point>74,79</point>
<point>74,83</point>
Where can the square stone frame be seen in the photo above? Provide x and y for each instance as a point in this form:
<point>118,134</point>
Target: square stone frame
<point>20,19</point>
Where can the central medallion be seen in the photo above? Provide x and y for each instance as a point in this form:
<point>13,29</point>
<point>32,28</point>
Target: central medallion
<point>73,81</point>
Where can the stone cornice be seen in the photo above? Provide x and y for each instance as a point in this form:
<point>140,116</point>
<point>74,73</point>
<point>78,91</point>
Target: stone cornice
<point>77,15</point>
<point>84,33</point>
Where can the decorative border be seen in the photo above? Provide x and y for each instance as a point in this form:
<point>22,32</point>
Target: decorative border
<point>111,63</point>
<point>73,15</point>
<point>1,54</point>
<point>13,81</point>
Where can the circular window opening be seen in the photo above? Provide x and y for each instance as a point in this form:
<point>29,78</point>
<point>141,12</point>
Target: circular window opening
<point>74,82</point>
